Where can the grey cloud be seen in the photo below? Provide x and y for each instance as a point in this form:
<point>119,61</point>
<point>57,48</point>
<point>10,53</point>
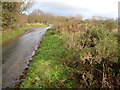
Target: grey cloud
<point>67,10</point>
<point>61,8</point>
<point>58,6</point>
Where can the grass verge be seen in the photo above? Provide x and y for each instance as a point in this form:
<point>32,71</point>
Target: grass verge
<point>46,70</point>
<point>43,25</point>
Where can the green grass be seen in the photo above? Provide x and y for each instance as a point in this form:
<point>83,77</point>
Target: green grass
<point>9,34</point>
<point>46,69</point>
<point>43,25</point>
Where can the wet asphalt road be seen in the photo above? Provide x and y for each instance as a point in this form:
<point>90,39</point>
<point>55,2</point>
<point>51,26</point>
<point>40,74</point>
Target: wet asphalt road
<point>16,55</point>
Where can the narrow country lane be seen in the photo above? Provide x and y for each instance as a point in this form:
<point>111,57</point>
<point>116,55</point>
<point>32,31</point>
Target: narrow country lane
<point>17,53</point>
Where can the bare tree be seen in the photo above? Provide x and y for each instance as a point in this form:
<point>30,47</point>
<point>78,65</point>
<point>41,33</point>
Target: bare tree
<point>27,4</point>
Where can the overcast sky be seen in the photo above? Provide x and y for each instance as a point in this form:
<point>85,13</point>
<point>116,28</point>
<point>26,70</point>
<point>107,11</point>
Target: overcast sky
<point>86,8</point>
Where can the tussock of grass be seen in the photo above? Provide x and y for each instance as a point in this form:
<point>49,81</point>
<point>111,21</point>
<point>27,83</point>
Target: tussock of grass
<point>46,69</point>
